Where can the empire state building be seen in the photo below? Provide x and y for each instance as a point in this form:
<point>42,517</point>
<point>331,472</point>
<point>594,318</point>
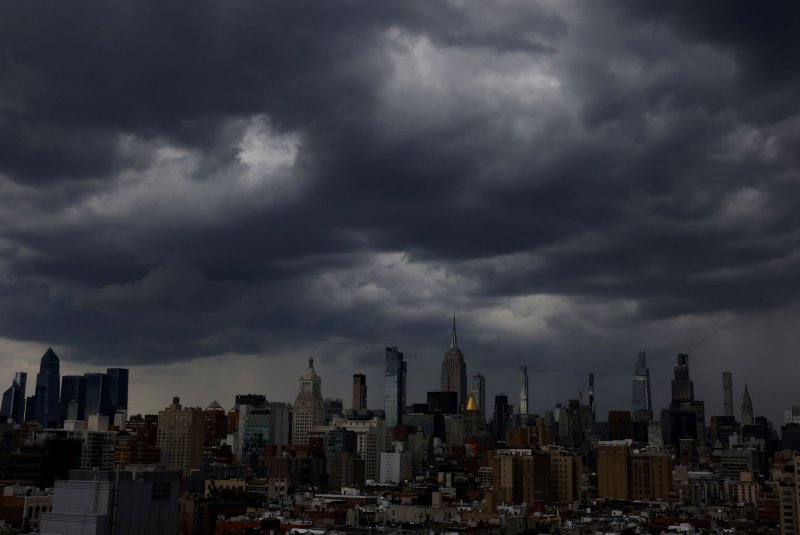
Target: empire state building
<point>454,370</point>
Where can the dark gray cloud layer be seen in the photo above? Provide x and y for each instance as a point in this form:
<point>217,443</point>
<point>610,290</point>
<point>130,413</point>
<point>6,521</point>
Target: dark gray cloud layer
<point>182,180</point>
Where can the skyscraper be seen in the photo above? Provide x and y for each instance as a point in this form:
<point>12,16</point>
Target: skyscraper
<point>394,400</point>
<point>472,419</point>
<point>523,390</point>
<point>454,370</point>
<point>641,402</point>
<point>727,394</point>
<point>479,392</point>
<point>359,391</point>
<point>13,406</point>
<point>21,379</point>
<point>73,398</point>
<point>98,394</point>
<point>309,407</point>
<point>685,417</point>
<point>747,408</point>
<point>502,412</point>
<point>118,389</point>
<point>682,386</point>
<point>44,403</point>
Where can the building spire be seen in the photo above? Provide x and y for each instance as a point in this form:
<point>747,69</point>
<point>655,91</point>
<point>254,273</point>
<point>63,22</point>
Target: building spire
<point>454,340</point>
<point>311,362</point>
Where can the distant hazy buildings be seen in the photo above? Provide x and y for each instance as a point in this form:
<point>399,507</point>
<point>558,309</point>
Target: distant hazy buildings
<point>309,407</point>
<point>454,370</point>
<point>394,399</point>
<point>359,392</point>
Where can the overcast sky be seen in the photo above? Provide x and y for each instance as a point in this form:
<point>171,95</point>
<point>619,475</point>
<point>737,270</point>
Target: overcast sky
<point>210,192</point>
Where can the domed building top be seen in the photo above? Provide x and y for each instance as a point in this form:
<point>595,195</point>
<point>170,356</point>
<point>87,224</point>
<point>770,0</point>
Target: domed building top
<point>309,407</point>
<point>310,382</point>
<point>310,374</point>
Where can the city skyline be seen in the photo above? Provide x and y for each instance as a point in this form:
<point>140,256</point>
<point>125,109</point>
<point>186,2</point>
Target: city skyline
<point>576,180</point>
<point>685,389</point>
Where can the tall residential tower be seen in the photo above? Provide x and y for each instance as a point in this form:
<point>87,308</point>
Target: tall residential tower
<point>641,401</point>
<point>523,390</point>
<point>727,393</point>
<point>181,433</point>
<point>359,391</point>
<point>394,401</point>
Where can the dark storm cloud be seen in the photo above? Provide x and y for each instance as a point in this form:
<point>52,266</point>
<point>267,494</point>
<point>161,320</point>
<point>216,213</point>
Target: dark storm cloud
<point>191,179</point>
<point>761,39</point>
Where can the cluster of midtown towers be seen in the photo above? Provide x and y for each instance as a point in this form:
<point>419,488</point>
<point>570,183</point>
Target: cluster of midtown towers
<point>56,399</point>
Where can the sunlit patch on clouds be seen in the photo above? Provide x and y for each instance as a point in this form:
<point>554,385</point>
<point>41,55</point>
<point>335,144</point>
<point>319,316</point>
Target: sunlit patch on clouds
<point>179,186</point>
<point>266,153</point>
